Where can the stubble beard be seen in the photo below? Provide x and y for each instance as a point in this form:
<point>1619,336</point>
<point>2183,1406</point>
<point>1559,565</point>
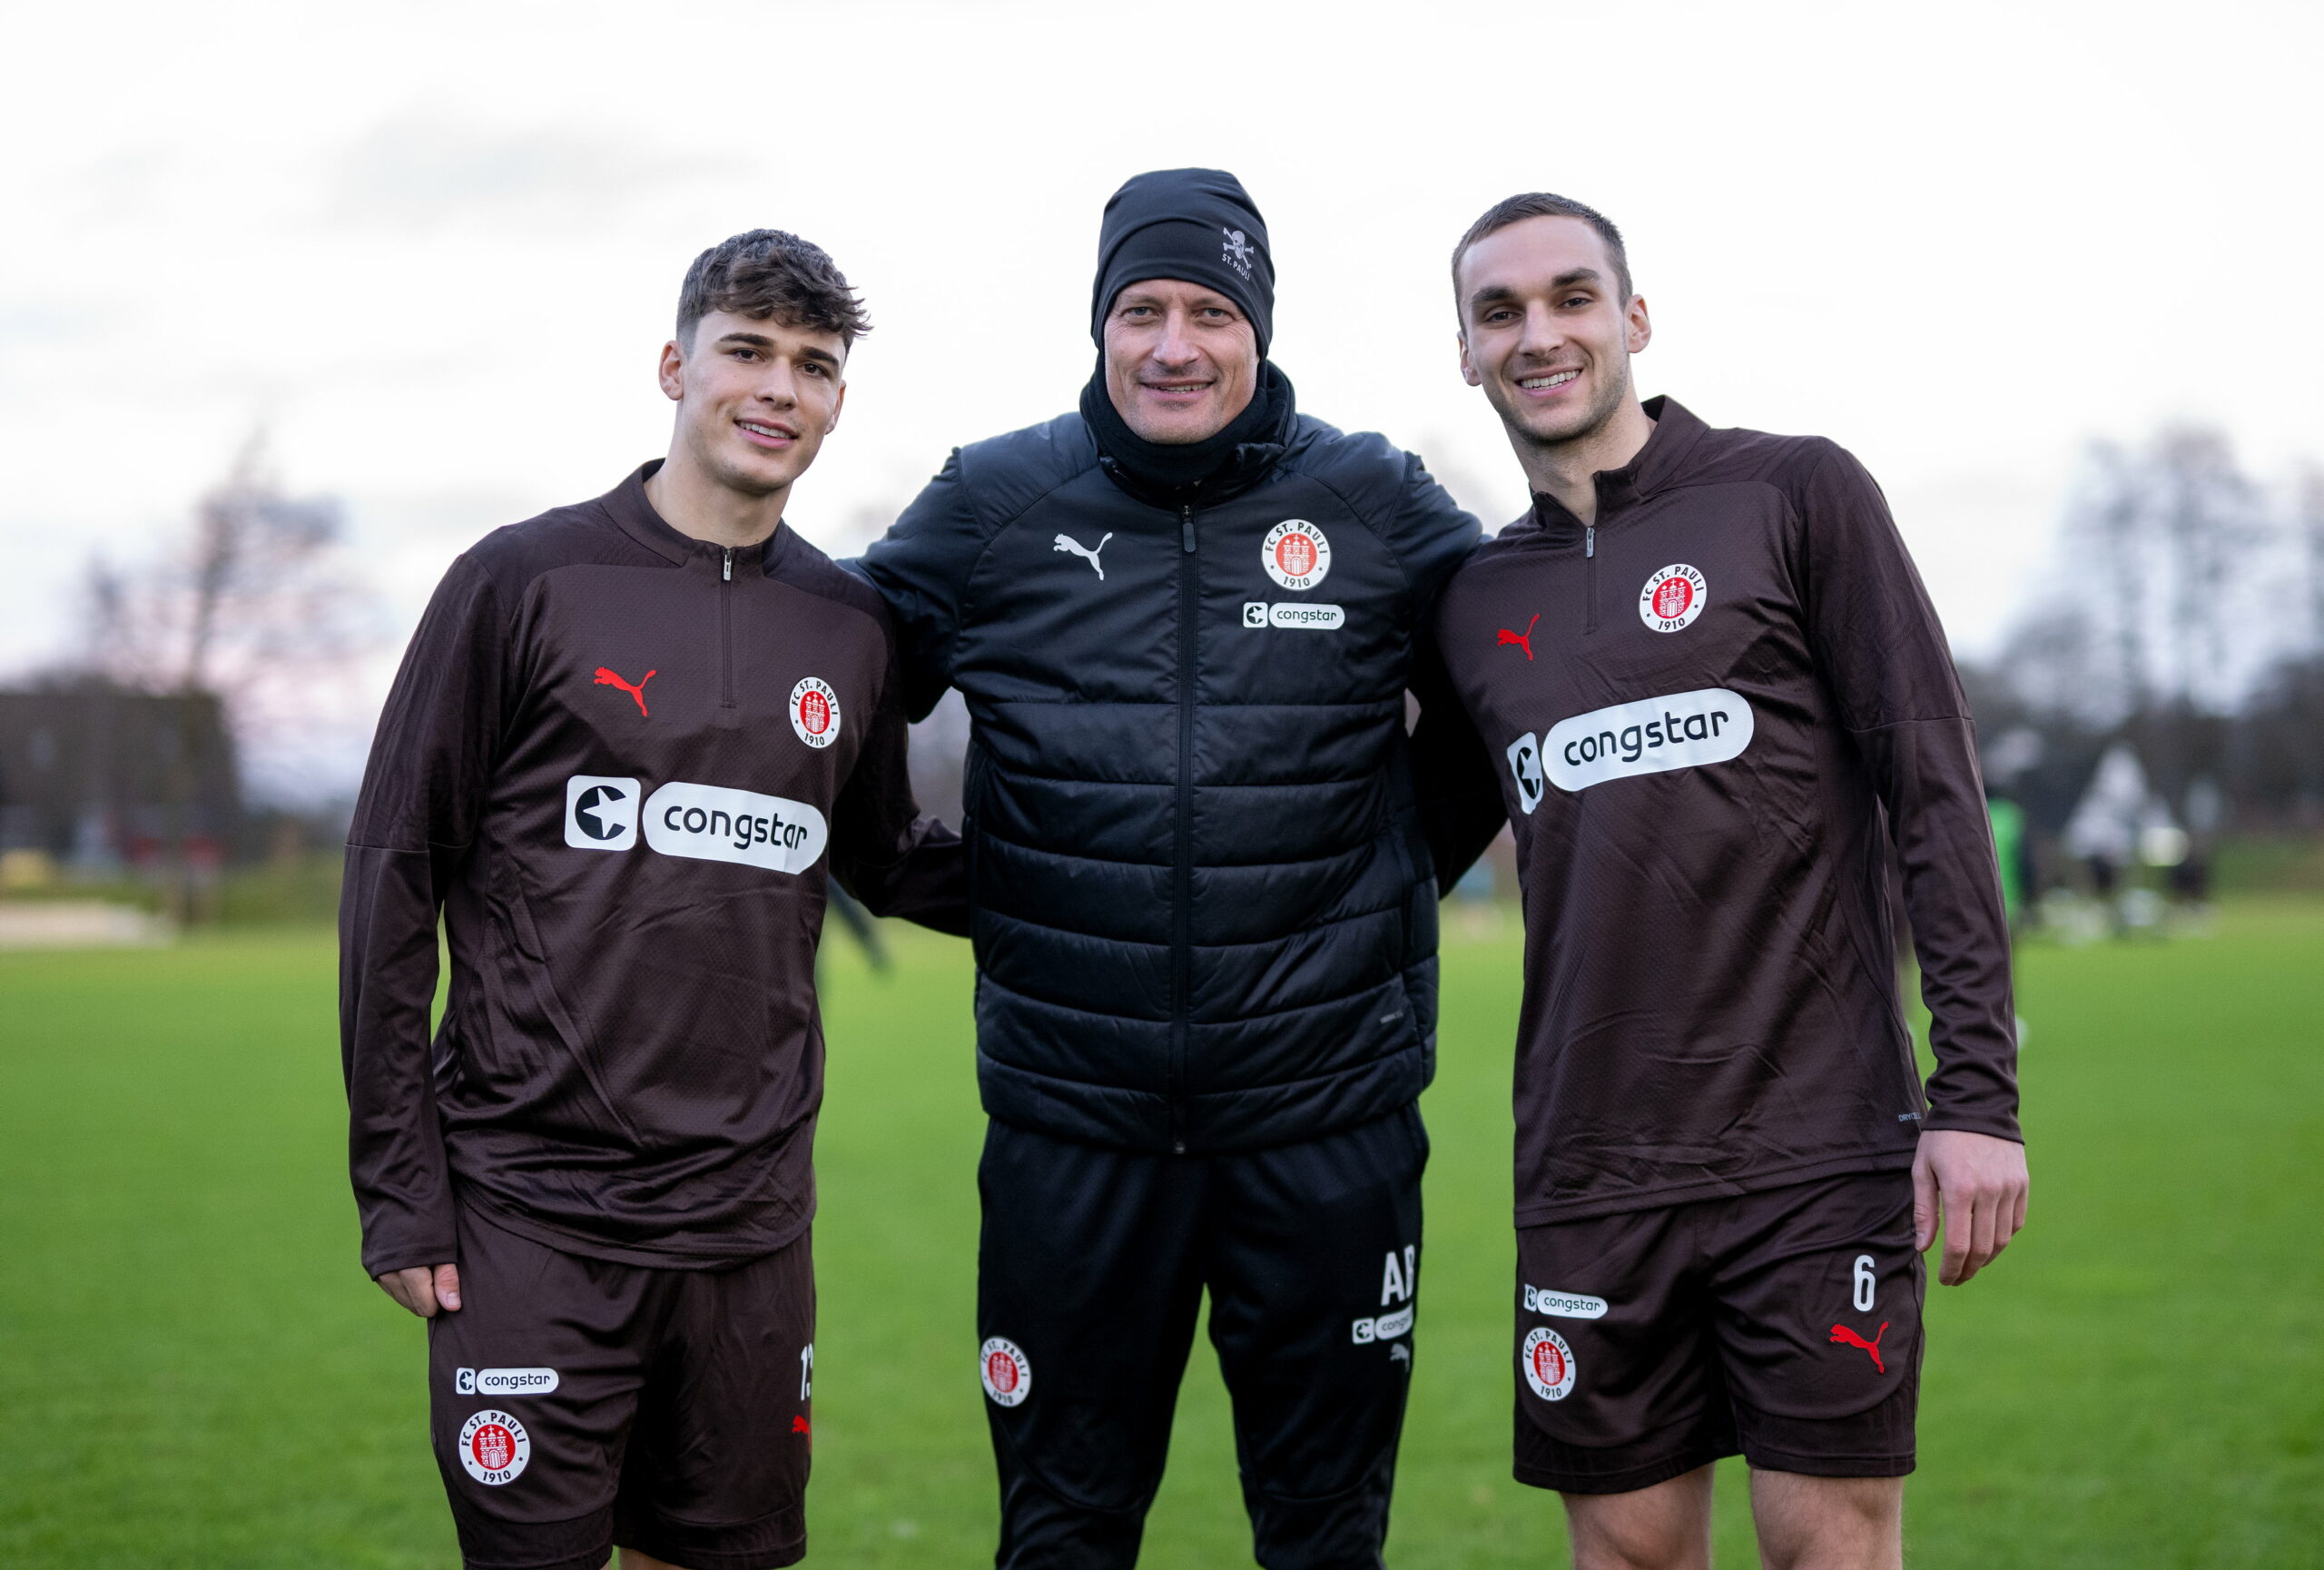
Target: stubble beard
<point>1599,414</point>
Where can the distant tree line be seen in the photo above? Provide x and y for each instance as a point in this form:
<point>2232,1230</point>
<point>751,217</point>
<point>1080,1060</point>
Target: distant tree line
<point>2185,619</point>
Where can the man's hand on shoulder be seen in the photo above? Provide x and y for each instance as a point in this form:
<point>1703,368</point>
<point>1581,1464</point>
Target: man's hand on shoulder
<point>1976,1184</point>
<point>424,1288</point>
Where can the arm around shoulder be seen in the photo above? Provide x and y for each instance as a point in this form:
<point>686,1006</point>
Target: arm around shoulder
<point>1432,533</point>
<point>921,568</point>
<point>884,852</point>
<point>1455,785</point>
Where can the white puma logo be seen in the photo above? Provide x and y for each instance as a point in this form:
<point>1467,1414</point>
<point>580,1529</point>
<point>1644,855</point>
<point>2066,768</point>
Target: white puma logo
<point>1087,553</point>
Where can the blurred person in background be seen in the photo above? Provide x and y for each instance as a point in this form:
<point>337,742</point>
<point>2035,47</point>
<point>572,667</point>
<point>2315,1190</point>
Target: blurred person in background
<point>630,742</point>
<point>1204,898</point>
<point>1734,694</point>
<point>2007,820</point>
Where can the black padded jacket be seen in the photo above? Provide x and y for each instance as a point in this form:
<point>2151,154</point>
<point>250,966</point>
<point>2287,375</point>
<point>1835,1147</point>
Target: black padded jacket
<point>1202,894</point>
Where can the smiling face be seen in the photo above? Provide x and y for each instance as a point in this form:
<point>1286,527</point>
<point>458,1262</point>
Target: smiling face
<point>755,398</point>
<point>1180,361</point>
<point>1546,332</point>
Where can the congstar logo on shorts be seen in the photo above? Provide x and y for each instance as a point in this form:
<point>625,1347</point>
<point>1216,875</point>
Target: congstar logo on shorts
<point>505,1381</point>
<point>697,822</point>
<point>1564,1304</point>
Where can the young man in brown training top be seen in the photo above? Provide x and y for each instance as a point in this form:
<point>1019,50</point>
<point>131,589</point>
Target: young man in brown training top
<point>1711,682</point>
<point>629,742</point>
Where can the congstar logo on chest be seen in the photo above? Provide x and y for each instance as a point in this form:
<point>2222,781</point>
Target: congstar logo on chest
<point>600,812</point>
<point>696,822</point>
<point>1295,614</point>
<point>1651,735</point>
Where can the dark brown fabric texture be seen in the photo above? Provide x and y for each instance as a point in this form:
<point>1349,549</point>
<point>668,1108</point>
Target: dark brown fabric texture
<point>680,1421</point>
<point>630,1058</point>
<point>1711,976</point>
<point>1723,1327</point>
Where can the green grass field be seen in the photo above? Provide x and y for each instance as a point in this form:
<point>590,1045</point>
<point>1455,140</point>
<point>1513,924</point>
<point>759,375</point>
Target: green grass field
<point>194,1372</point>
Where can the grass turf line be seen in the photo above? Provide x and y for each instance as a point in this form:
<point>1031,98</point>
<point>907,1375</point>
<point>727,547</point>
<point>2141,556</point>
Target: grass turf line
<point>195,1373</point>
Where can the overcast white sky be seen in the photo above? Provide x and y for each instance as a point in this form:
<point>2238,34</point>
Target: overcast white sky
<point>434,248</point>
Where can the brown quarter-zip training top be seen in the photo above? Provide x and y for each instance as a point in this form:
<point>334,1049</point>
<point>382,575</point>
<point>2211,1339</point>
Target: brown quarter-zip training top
<point>1708,711</point>
<point>621,761</point>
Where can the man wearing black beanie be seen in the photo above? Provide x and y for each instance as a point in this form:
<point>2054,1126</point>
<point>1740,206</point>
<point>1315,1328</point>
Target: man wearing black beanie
<point>1205,859</point>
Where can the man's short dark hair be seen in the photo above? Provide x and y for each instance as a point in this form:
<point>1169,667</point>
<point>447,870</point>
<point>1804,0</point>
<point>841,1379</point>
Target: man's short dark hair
<point>1542,204</point>
<point>770,273</point>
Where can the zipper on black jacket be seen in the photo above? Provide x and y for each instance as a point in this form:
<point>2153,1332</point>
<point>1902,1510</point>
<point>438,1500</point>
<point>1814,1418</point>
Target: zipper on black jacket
<point>1183,920</point>
<point>726,630</point>
<point>1589,578</point>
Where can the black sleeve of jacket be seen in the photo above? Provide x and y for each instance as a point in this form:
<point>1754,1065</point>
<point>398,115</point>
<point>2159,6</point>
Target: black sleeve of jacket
<point>1430,534</point>
<point>1459,795</point>
<point>1881,650</point>
<point>921,568</point>
<point>883,852</point>
<point>1458,789</point>
<point>423,796</point>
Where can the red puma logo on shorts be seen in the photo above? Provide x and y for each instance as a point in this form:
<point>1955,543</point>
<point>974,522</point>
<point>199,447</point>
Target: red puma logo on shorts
<point>608,678</point>
<point>1523,640</point>
<point>1844,1337</point>
<point>799,1425</point>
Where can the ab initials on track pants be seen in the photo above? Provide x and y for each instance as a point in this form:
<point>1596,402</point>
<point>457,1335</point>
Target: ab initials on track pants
<point>1091,1272</point>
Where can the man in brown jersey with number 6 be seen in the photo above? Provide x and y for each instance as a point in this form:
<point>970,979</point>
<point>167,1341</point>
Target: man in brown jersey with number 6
<point>1715,692</point>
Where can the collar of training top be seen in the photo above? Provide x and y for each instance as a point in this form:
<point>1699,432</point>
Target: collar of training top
<point>633,511</point>
<point>1675,430</point>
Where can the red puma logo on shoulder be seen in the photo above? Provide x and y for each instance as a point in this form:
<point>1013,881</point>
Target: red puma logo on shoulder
<point>799,1425</point>
<point>1844,1337</point>
<point>608,678</point>
<point>1523,640</point>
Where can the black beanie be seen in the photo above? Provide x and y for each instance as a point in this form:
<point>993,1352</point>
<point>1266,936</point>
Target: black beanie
<point>1195,224</point>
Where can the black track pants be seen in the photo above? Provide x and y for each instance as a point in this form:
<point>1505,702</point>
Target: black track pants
<point>1090,1274</point>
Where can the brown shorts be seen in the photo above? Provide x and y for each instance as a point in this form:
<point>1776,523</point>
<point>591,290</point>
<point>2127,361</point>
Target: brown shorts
<point>577,1404</point>
<point>1783,1325</point>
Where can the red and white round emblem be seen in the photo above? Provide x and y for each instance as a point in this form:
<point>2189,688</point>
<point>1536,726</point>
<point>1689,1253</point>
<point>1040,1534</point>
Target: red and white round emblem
<point>1008,1377</point>
<point>494,1446</point>
<point>814,713</point>
<point>1297,554</point>
<point>1673,598</point>
<point>1548,1363</point>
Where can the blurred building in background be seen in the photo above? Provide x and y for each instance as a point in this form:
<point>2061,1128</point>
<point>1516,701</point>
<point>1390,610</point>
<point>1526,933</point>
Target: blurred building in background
<point>97,780</point>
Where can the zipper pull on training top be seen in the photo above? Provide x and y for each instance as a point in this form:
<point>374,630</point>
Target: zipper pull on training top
<point>1186,529</point>
<point>1588,577</point>
<point>726,573</point>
